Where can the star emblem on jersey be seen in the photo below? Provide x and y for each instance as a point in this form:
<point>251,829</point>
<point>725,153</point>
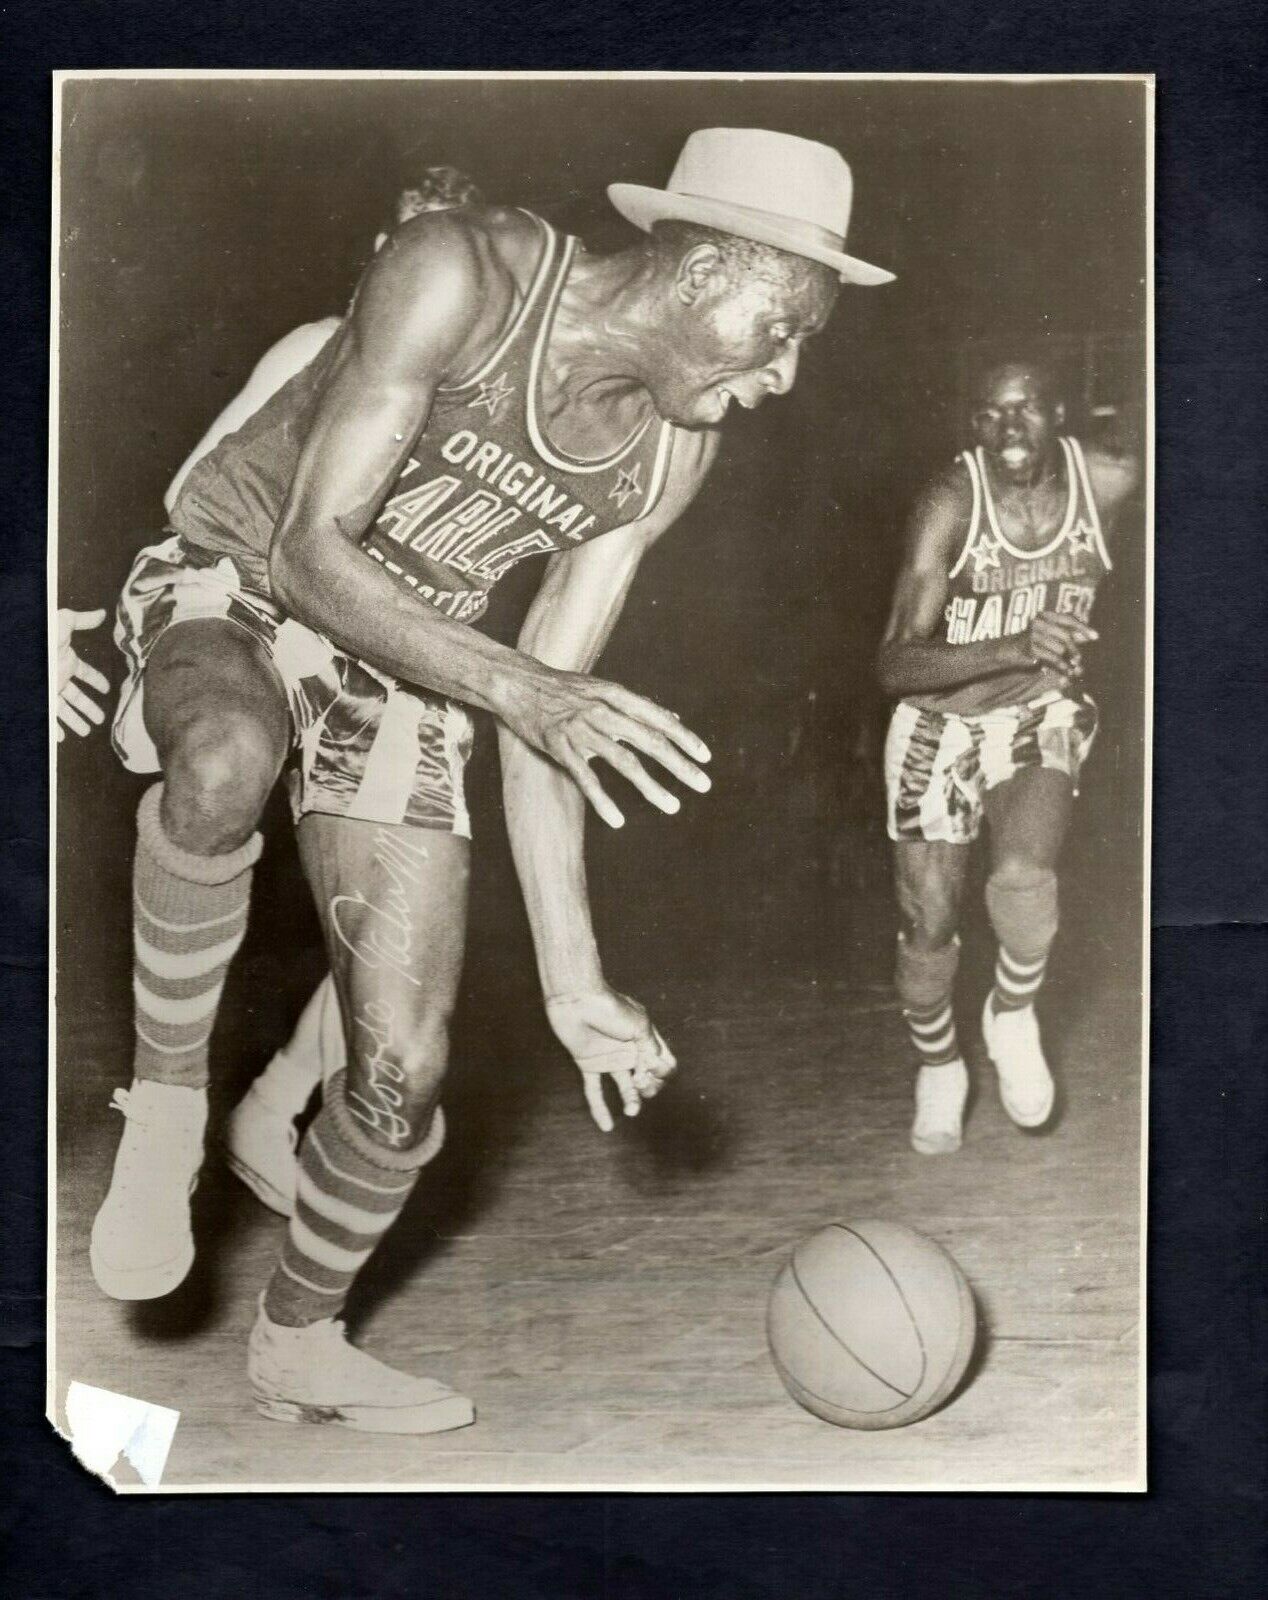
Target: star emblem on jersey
<point>492,395</point>
<point>985,554</point>
<point>628,483</point>
<point>1082,538</point>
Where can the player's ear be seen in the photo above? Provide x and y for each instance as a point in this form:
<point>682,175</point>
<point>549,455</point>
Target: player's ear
<point>701,265</point>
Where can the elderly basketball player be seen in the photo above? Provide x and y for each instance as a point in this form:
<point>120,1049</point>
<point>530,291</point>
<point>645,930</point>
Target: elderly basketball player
<point>494,394</point>
<point>985,653</point>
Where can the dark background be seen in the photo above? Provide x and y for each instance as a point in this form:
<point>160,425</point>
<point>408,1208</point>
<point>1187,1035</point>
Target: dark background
<point>1200,1530</point>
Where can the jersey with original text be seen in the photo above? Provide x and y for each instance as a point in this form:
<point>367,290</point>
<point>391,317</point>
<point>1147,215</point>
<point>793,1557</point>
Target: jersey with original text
<point>482,488</point>
<point>995,588</point>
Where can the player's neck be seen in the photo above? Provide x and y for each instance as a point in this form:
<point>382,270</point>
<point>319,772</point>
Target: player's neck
<point>604,339</point>
<point>1046,475</point>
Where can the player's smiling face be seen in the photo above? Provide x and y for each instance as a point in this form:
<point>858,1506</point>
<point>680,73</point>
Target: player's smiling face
<point>740,342</point>
<point>1016,421</point>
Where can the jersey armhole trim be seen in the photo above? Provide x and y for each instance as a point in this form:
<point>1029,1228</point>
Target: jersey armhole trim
<point>975,517</point>
<point>1079,461</point>
<point>660,470</point>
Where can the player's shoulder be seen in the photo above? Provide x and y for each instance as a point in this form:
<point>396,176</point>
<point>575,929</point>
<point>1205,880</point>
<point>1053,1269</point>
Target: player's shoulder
<point>477,245</point>
<point>1114,474</point>
<point>940,518</point>
<point>949,495</point>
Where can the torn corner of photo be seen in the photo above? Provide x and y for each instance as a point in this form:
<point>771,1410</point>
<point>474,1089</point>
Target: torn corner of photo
<point>123,1440</point>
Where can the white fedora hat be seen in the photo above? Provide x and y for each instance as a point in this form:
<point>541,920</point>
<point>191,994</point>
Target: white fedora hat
<point>758,184</point>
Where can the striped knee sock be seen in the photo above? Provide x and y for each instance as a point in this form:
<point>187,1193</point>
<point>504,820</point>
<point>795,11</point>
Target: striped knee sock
<point>932,1030</point>
<point>350,1191</point>
<point>925,979</point>
<point>189,915</point>
<point>1017,982</point>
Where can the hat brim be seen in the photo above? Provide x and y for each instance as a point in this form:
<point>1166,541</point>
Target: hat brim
<point>643,207</point>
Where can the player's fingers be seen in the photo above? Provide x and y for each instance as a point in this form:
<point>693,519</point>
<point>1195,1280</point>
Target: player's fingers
<point>87,619</point>
<point>72,719</point>
<point>1070,624</point>
<point>86,673</point>
<point>651,715</point>
<point>631,1100</point>
<point>666,1061</point>
<point>619,726</point>
<point>73,695</point>
<point>1048,649</point>
<point>651,1059</point>
<point>629,766</point>
<point>593,1082</point>
<point>585,780</point>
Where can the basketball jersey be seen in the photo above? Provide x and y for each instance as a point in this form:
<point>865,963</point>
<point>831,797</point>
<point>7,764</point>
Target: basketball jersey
<point>996,589</point>
<point>483,486</point>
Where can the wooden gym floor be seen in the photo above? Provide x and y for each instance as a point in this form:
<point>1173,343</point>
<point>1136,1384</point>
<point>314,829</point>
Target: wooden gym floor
<point>603,1299</point>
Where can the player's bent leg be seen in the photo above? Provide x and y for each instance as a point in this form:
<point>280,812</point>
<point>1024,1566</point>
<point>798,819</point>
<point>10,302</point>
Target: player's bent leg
<point>929,878</point>
<point>1029,816</point>
<point>393,902</point>
<point>261,1139</point>
<point>219,721</point>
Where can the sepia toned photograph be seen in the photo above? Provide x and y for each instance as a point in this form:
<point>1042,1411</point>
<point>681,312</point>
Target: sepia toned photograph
<point>601,634</point>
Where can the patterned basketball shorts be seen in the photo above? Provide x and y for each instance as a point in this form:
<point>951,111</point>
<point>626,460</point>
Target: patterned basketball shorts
<point>363,746</point>
<point>939,764</point>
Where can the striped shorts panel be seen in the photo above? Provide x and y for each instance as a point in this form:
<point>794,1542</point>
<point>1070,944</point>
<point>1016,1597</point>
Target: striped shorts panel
<point>939,765</point>
<point>363,745</point>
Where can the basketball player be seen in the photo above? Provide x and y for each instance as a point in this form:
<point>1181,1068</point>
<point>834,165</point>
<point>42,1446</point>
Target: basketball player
<point>494,393</point>
<point>985,652</point>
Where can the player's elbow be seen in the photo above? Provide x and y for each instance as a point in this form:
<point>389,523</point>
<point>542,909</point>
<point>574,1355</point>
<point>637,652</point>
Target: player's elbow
<point>888,668</point>
<point>290,578</point>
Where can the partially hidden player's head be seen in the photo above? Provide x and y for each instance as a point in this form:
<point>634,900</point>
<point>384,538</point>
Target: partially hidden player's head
<point>746,251</point>
<point>439,188</point>
<point>1017,414</point>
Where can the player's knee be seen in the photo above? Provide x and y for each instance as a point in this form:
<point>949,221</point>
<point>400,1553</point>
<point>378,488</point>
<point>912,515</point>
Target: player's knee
<point>1014,871</point>
<point>216,780</point>
<point>1022,903</point>
<point>929,914</point>
<point>924,975</point>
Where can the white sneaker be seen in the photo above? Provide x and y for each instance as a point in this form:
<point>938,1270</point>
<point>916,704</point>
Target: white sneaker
<point>940,1095</point>
<point>260,1144</point>
<point>313,1374</point>
<point>1025,1084</point>
<point>142,1246</point>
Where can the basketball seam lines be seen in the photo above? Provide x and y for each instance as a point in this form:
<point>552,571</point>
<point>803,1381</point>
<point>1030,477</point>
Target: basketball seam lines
<point>915,1326</point>
<point>791,1379</point>
<point>828,1326</point>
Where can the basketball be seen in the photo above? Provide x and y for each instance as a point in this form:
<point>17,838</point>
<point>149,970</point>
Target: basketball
<point>871,1325</point>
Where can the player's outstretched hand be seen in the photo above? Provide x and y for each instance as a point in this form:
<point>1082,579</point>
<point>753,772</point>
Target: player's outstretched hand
<point>1055,640</point>
<point>575,719</point>
<point>76,709</point>
<point>611,1036</point>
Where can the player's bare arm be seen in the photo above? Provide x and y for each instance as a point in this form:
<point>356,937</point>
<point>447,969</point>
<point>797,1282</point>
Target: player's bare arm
<point>1115,479</point>
<point>428,307</point>
<point>568,625</point>
<point>911,660</point>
